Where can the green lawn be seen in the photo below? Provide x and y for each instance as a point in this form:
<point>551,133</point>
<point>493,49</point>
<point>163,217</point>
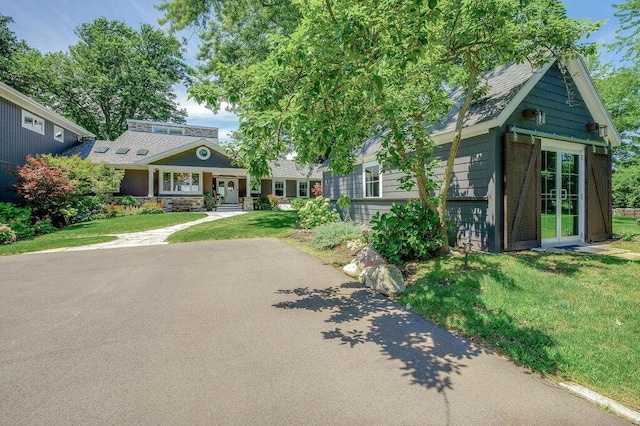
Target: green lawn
<point>251,225</point>
<point>98,231</point>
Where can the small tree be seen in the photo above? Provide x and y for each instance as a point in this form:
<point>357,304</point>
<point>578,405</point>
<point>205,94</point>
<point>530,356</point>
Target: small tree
<point>45,188</point>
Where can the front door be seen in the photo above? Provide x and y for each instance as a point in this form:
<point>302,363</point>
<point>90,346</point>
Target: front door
<point>228,190</point>
<point>561,197</point>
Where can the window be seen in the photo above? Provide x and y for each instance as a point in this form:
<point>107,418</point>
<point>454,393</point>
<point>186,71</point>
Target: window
<point>32,122</point>
<point>278,188</point>
<point>203,153</point>
<point>181,182</point>
<point>122,150</point>
<point>101,149</point>
<point>58,133</point>
<point>372,180</point>
<point>142,152</point>
<point>167,130</point>
<point>303,189</point>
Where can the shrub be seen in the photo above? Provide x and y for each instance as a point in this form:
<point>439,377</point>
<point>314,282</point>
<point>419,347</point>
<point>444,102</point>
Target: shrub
<point>18,219</point>
<point>274,202</point>
<point>343,202</point>
<point>406,232</point>
<point>129,201</point>
<point>45,188</point>
<point>334,234</point>
<point>150,208</point>
<point>7,235</point>
<point>317,212</point>
<point>263,203</point>
<point>43,226</point>
<point>626,187</point>
<point>298,203</point>
<point>316,189</point>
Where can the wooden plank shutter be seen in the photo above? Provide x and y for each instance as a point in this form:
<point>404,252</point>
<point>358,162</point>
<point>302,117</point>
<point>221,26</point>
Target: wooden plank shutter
<point>522,192</point>
<point>599,201</point>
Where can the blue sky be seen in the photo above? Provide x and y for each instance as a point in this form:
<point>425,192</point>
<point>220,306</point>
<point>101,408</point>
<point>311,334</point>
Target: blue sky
<point>48,25</point>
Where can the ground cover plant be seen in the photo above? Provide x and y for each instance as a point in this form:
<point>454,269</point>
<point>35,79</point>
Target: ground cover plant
<point>256,224</point>
<point>571,316</point>
<point>97,231</point>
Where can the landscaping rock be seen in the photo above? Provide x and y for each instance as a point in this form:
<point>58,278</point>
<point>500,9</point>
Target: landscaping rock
<point>384,279</point>
<point>352,270</point>
<point>369,257</point>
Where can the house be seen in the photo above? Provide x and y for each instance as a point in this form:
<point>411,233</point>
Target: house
<point>27,127</point>
<point>533,168</point>
<point>177,164</point>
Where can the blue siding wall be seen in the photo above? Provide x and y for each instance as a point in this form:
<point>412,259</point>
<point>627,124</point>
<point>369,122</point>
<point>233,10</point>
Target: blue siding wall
<point>189,158</point>
<point>565,110</point>
<point>16,142</point>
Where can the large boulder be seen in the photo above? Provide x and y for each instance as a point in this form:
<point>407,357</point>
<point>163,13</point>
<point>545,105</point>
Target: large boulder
<point>369,257</point>
<point>352,269</point>
<point>384,279</point>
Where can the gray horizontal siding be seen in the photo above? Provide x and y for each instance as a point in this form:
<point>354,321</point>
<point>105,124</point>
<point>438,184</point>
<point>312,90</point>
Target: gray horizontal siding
<point>189,158</point>
<point>562,117</point>
<point>16,142</point>
<point>350,185</point>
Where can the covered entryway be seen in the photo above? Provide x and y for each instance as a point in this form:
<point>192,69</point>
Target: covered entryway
<point>228,190</point>
<point>562,193</point>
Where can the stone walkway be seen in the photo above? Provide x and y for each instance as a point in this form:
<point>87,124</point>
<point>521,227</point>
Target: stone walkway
<point>146,238</point>
<point>603,249</point>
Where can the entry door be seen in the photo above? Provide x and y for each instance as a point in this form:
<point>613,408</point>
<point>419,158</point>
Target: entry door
<point>561,197</point>
<point>228,190</point>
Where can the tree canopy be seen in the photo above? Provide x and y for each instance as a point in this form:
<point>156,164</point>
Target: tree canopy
<point>111,74</point>
<point>320,76</point>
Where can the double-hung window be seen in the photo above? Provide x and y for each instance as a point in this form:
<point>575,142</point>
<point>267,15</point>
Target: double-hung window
<point>372,179</point>
<point>278,188</point>
<point>303,188</point>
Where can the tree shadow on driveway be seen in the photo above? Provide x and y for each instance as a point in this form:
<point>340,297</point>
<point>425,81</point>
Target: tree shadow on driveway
<point>430,356</point>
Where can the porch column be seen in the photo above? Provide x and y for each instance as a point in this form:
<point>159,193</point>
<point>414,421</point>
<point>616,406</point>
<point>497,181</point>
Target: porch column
<point>248,201</point>
<point>150,191</point>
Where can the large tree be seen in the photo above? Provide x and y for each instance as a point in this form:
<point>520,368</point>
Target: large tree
<point>319,76</point>
<point>112,73</point>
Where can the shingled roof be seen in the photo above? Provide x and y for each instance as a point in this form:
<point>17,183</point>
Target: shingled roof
<point>135,143</point>
<point>289,169</point>
<point>503,84</point>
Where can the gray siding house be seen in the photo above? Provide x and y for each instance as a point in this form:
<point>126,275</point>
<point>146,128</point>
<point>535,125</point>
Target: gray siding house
<point>27,127</point>
<point>533,169</point>
<point>177,164</point>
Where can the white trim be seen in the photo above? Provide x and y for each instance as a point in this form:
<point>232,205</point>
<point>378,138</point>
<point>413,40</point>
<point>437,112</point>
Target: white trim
<point>364,179</point>
<point>172,170</point>
<point>206,155</point>
<point>284,187</point>
<point>58,130</point>
<point>204,142</point>
<point>558,146</point>
<point>298,182</point>
<point>36,123</point>
<point>592,99</point>
<point>13,96</point>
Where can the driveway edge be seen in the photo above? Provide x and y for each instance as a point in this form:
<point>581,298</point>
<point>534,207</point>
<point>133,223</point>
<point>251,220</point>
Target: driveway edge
<point>603,401</point>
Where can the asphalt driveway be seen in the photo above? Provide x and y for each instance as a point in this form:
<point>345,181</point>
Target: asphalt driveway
<point>240,332</point>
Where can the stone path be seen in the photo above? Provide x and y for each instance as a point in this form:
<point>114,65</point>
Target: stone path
<point>603,249</point>
<point>146,238</point>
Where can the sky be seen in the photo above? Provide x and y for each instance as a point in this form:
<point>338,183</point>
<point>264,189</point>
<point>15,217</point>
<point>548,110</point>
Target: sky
<point>48,25</point>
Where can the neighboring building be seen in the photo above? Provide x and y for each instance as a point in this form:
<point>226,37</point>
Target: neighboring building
<point>27,127</point>
<point>533,169</point>
<point>174,163</point>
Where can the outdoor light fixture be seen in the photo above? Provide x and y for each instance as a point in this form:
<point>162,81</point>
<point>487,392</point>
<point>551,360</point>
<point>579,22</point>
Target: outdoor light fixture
<point>602,131</point>
<point>600,128</point>
<point>538,114</point>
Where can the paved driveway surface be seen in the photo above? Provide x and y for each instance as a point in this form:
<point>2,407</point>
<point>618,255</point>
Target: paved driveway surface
<point>240,332</point>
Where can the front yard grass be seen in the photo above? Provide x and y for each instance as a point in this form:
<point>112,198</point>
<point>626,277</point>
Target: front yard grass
<point>256,224</point>
<point>98,231</point>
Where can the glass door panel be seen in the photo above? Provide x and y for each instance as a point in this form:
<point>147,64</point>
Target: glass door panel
<point>549,195</point>
<point>569,195</point>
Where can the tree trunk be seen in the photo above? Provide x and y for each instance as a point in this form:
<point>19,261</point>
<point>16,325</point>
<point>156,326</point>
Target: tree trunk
<point>453,152</point>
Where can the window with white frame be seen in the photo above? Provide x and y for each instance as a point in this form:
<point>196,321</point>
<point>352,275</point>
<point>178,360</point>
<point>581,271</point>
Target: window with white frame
<point>181,182</point>
<point>303,188</point>
<point>278,188</point>
<point>32,122</point>
<point>372,179</point>
<point>58,133</point>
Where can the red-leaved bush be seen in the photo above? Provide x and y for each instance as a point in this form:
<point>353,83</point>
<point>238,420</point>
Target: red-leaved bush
<point>46,189</point>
